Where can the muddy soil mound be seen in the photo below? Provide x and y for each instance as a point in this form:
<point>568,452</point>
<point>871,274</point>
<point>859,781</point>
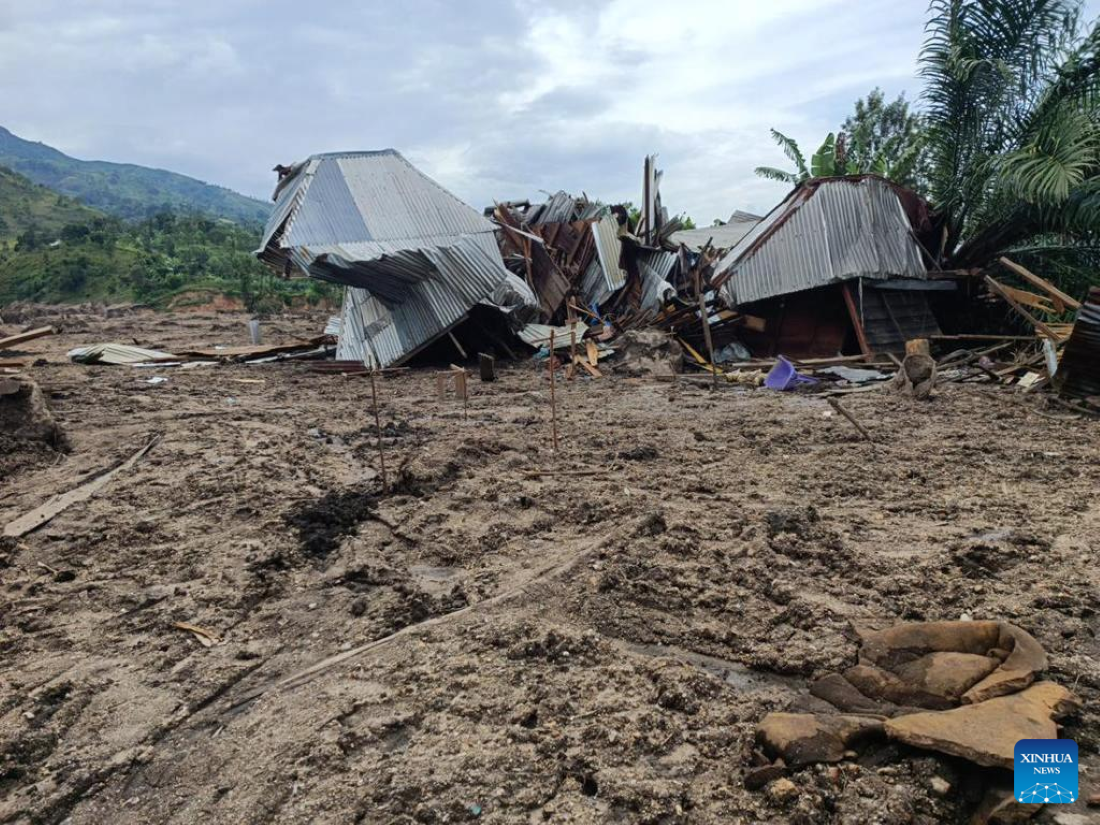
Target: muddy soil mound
<point>29,436</point>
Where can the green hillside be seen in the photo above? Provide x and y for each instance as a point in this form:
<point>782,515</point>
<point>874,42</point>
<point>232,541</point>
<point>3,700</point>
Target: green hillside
<point>25,205</point>
<point>125,190</point>
<point>55,250</point>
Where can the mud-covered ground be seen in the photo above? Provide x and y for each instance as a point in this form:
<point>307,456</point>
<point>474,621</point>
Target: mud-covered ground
<point>590,636</point>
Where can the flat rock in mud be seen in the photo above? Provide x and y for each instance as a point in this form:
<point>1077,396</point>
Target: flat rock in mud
<point>987,733</point>
<point>805,739</point>
<point>949,675</point>
<point>999,807</point>
<point>845,697</point>
<point>899,646</point>
<point>882,685</point>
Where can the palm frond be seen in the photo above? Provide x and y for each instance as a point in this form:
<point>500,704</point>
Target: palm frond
<point>792,151</point>
<point>779,175</point>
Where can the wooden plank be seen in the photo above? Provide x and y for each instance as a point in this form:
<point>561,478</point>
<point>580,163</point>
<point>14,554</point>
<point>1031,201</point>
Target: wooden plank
<point>458,346</point>
<point>24,337</point>
<point>1035,322</point>
<point>593,352</point>
<point>58,504</point>
<point>591,370</point>
<point>1046,286</point>
<point>1031,338</point>
<point>853,312</point>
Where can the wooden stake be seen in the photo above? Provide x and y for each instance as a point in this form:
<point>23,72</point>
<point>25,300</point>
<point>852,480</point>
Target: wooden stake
<point>836,406</point>
<point>553,400</point>
<point>378,428</point>
<point>706,324</point>
<point>571,319</point>
<point>487,367</point>
<point>460,376</point>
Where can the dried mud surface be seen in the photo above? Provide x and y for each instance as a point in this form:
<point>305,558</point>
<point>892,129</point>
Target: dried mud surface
<point>587,637</point>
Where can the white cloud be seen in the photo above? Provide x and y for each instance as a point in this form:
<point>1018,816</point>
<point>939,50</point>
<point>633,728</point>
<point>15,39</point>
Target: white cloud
<point>497,99</point>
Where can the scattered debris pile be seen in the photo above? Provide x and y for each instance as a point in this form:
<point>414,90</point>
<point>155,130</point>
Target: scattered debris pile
<point>965,689</point>
<point>837,275</point>
<point>125,354</point>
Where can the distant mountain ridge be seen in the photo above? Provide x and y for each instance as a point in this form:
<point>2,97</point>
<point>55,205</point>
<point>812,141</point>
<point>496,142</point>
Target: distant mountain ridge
<point>25,205</point>
<point>125,190</point>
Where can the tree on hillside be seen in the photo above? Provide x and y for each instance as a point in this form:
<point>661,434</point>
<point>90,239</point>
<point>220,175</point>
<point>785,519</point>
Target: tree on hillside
<point>1011,104</point>
<point>890,132</point>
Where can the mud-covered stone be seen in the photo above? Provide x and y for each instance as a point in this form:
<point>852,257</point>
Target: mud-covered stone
<point>987,733</point>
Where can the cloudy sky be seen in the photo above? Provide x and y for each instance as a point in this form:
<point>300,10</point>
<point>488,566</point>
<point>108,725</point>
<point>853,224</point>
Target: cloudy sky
<point>495,99</point>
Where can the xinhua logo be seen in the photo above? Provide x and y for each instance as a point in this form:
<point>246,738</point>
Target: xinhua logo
<point>1045,771</point>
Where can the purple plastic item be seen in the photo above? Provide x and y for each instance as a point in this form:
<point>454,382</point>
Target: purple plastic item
<point>784,376</point>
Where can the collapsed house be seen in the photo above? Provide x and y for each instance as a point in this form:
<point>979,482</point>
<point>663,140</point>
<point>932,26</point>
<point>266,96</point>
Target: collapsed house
<point>415,261</point>
<point>575,248</point>
<point>835,268</point>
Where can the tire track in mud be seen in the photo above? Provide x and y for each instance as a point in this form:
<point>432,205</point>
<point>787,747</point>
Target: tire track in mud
<point>543,576</point>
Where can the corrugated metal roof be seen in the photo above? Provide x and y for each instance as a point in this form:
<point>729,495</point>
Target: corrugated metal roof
<point>721,237</point>
<point>355,197</point>
<point>538,335</point>
<point>416,259</point>
<point>655,267</point>
<point>826,231</point>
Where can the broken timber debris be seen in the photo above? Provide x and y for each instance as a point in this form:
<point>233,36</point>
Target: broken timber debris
<point>60,503</point>
<point>12,341</point>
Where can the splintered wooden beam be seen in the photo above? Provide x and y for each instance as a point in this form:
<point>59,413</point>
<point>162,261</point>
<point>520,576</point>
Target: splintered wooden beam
<point>1047,287</point>
<point>1012,302</point>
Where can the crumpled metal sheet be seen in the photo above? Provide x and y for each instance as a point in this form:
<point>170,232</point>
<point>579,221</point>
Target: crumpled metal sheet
<point>117,354</point>
<point>435,290</point>
<point>655,268</point>
<point>538,335</point>
<point>414,257</point>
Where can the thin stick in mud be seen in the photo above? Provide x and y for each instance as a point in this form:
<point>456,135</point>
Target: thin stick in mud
<point>378,429</point>
<point>553,399</point>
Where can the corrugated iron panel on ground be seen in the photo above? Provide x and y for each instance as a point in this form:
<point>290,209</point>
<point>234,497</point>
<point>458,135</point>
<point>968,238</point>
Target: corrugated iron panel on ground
<point>828,231</point>
<point>538,335</point>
